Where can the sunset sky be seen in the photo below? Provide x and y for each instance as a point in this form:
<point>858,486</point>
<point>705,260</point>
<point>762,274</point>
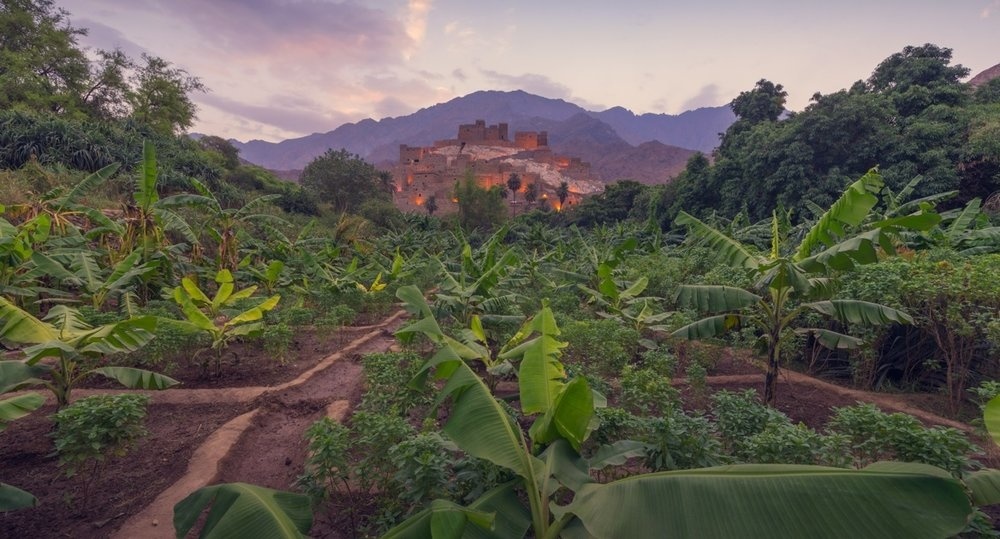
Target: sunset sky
<point>279,69</point>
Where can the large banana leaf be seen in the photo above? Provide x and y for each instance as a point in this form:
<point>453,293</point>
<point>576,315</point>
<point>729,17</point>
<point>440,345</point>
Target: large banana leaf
<point>145,185</point>
<point>12,498</point>
<point>721,246</point>
<point>15,374</point>
<point>850,311</point>
<point>85,185</point>
<point>849,210</point>
<point>239,510</point>
<point>985,486</point>
<point>137,378</point>
<point>569,417</point>
<point>991,417</point>
<point>21,327</point>
<point>541,376</point>
<point>767,501</point>
<point>18,407</point>
<point>442,520</point>
<point>961,223</point>
<point>859,249</point>
<point>714,299</point>
<point>832,339</point>
<point>709,327</point>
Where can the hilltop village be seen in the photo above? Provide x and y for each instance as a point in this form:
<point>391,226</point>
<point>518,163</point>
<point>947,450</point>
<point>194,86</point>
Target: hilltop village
<point>489,153</point>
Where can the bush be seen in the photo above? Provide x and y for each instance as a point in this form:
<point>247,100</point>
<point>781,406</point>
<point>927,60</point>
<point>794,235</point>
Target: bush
<point>679,442</point>
<point>387,378</point>
<point>92,429</point>
<point>646,391</point>
<point>739,416</point>
<point>784,443</point>
<point>875,435</point>
<point>605,345</point>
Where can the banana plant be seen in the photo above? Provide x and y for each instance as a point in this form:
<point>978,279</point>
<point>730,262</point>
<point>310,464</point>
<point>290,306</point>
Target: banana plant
<point>478,285</point>
<point>79,266</point>
<point>885,499</point>
<point>786,285</point>
<point>59,343</point>
<point>205,315</point>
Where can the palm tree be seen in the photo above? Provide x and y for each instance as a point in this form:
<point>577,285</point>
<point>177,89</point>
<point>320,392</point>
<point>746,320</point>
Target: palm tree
<point>531,192</point>
<point>513,183</point>
<point>562,193</point>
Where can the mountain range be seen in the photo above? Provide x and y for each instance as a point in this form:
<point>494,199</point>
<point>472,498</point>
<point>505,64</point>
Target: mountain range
<point>619,144</point>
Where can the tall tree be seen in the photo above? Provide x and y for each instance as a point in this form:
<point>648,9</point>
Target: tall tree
<point>159,95</point>
<point>764,103</point>
<point>531,192</point>
<point>562,193</point>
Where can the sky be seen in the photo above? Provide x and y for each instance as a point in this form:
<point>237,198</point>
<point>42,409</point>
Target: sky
<point>279,69</point>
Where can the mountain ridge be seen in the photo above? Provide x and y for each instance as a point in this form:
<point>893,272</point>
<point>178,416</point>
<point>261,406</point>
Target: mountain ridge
<point>607,135</point>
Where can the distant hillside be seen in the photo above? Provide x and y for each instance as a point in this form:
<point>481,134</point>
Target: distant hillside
<point>985,76</point>
<point>378,141</point>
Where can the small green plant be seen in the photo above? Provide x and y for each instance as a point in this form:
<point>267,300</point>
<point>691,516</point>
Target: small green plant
<point>785,443</point>
<point>424,467</point>
<point>738,416</point>
<point>387,376</point>
<point>875,435</point>
<point>604,345</point>
<point>697,378</point>
<point>277,339</point>
<point>646,391</point>
<point>679,442</point>
<point>92,429</point>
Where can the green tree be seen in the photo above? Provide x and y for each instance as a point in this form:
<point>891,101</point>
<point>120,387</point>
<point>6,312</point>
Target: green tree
<point>764,103</point>
<point>229,154</point>
<point>41,66</point>
<point>344,180</point>
<point>477,207</point>
<point>159,95</point>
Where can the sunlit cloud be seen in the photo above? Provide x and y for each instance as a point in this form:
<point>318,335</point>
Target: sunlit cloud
<point>416,22</point>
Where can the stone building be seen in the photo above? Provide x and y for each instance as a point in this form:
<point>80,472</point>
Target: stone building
<point>488,152</point>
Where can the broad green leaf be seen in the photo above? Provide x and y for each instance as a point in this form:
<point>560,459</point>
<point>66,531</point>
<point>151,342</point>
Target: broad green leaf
<point>859,249</point>
<point>87,184</point>
<point>635,289</point>
<point>256,312</point>
<point>145,188</point>
<point>720,246</point>
<point>767,501</point>
<point>136,378</point>
<point>274,270</point>
<point>832,339</point>
<point>512,517</point>
<point>569,417</point>
<point>616,454</point>
<point>709,327</point>
<point>443,519</point>
<point>21,327</point>
<point>12,498</point>
<point>239,510</point>
<point>15,374</point>
<point>849,210</point>
<point>562,462</point>
<point>985,486</point>
<point>193,291</point>
<point>19,406</point>
<point>714,299</point>
<point>125,336</point>
<point>193,314</point>
<point>541,375</point>
<point>991,417</point>
<point>849,311</point>
<point>961,223</point>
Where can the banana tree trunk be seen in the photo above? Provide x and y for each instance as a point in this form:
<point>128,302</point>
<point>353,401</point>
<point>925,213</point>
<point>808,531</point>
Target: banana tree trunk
<point>771,378</point>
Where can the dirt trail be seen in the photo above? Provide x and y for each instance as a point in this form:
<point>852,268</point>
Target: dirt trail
<point>266,445</point>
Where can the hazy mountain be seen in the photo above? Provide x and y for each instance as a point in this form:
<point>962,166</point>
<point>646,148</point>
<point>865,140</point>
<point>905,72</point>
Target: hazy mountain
<point>378,141</point>
<point>985,76</point>
<point>695,129</point>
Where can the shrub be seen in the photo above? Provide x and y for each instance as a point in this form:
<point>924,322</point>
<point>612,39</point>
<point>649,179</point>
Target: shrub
<point>277,339</point>
<point>605,345</point>
<point>387,376</point>
<point>875,436</point>
<point>738,416</point>
<point>679,441</point>
<point>617,424</point>
<point>784,443</point>
<point>95,428</point>
<point>644,391</point>
<point>424,468</point>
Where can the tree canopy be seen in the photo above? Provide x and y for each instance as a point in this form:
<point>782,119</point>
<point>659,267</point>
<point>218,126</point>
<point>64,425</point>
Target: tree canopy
<point>344,180</point>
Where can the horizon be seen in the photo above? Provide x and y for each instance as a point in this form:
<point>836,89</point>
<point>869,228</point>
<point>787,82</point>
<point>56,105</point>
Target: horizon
<point>280,69</point>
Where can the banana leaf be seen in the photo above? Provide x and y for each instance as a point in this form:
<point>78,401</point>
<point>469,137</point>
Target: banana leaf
<point>239,510</point>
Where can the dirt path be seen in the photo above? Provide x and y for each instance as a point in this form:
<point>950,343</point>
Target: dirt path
<point>266,445</point>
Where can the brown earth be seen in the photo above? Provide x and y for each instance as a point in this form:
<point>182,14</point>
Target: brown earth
<point>248,424</point>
